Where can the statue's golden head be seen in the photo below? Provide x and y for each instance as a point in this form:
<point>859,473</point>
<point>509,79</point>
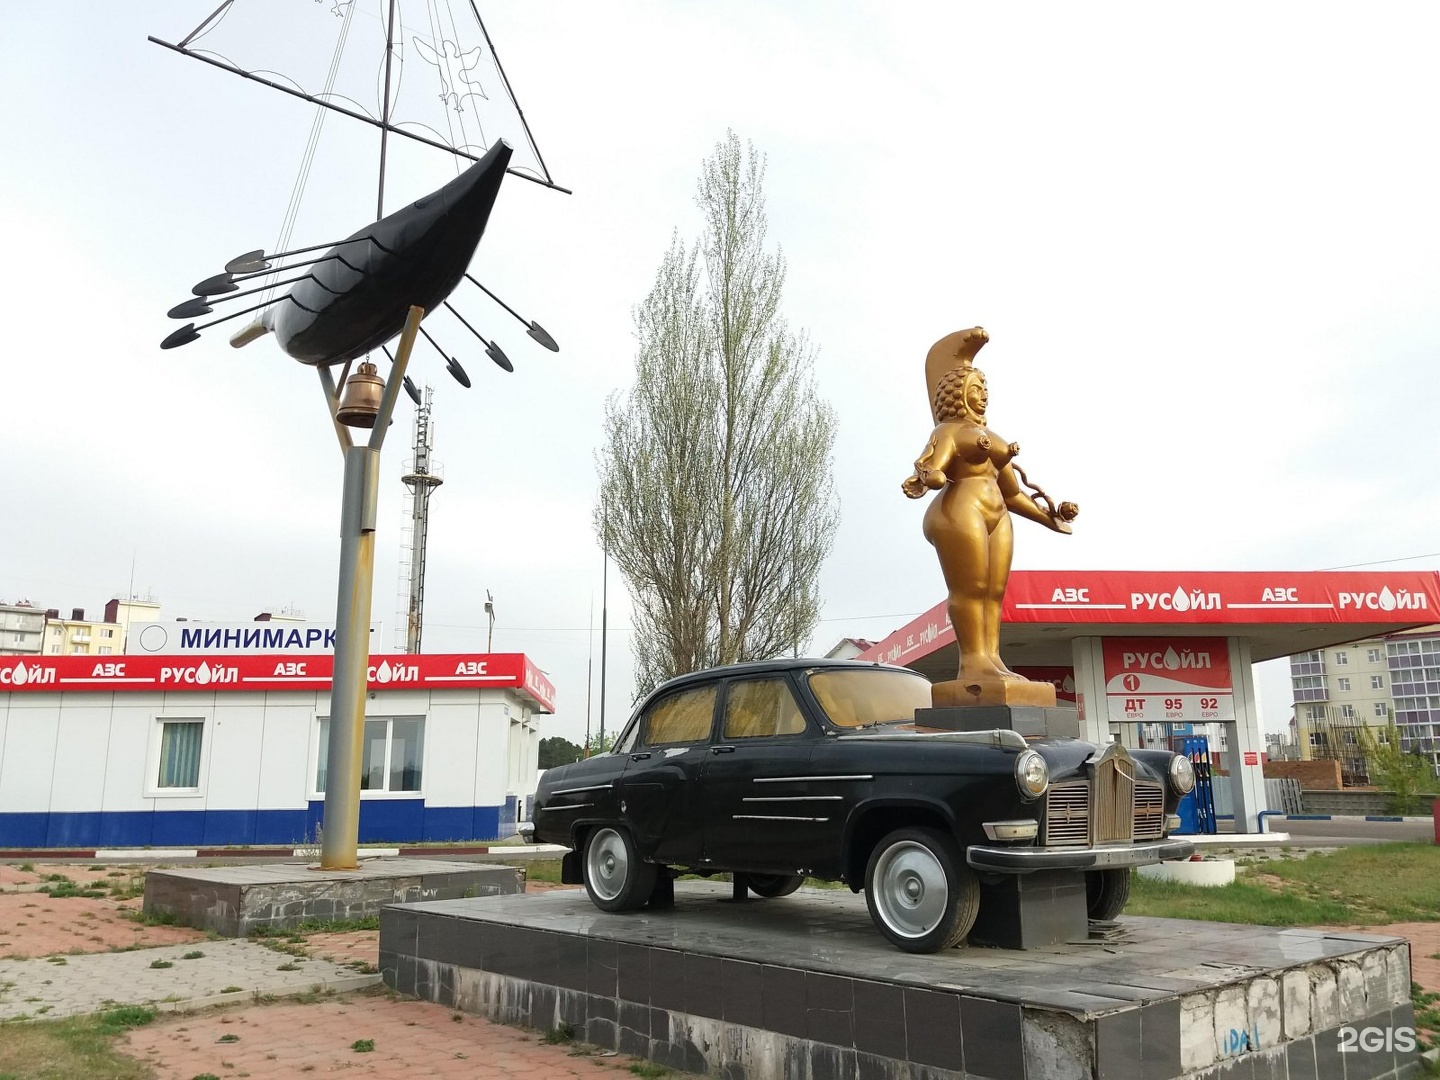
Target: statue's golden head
<point>950,364</point>
<point>962,392</point>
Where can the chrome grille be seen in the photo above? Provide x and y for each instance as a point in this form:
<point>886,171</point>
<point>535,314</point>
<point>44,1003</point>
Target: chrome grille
<point>1114,799</point>
<point>1067,814</point>
<point>1149,810</point>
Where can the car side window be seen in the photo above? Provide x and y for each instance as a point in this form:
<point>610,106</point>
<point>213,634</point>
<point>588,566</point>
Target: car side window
<point>757,708</point>
<point>626,742</point>
<point>680,719</point>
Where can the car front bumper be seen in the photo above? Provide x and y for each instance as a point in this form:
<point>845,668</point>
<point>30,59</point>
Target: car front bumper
<point>1025,860</point>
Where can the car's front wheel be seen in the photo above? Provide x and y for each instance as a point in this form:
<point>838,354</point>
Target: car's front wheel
<point>921,894</point>
<point>1106,893</point>
<point>773,885</point>
<point>616,878</point>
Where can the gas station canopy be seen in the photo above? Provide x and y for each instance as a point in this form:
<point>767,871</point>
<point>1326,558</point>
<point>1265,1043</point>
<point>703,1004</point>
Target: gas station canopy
<point>1278,613</point>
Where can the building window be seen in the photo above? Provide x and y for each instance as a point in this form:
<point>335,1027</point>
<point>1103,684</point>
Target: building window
<point>180,744</point>
<point>1317,738</point>
<point>1350,738</point>
<point>54,650</point>
<point>104,650</point>
<point>1377,682</point>
<point>392,754</point>
<point>1342,683</point>
<point>1380,709</point>
<point>107,633</point>
<point>1374,656</point>
<point>1341,659</point>
<point>1347,712</point>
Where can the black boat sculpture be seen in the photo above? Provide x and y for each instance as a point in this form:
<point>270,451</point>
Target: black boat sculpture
<point>355,296</point>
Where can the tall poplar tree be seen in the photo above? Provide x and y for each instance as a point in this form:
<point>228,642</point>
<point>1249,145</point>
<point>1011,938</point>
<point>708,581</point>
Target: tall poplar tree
<point>715,499</point>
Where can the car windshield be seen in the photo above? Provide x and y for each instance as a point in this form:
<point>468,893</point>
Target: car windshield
<point>858,697</point>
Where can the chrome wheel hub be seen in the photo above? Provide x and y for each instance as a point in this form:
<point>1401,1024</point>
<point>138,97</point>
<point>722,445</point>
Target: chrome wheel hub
<point>911,892</point>
<point>607,867</point>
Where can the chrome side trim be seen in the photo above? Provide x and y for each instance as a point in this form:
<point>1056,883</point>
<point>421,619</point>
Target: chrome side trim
<point>793,798</point>
<point>999,737</point>
<point>572,806</point>
<point>773,817</point>
<point>807,779</point>
<point>578,790</point>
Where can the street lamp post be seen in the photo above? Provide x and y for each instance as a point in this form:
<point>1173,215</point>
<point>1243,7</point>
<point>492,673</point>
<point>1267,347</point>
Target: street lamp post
<point>340,839</point>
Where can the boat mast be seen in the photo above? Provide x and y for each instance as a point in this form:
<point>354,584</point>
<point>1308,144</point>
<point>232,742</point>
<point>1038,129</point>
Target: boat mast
<point>385,115</point>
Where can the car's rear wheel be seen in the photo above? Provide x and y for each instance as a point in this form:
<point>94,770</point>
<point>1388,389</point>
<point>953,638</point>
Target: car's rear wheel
<point>616,878</point>
<point>773,885</point>
<point>1106,892</point>
<point>920,893</point>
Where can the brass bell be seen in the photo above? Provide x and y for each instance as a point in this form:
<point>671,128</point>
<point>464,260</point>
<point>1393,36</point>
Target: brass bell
<point>360,403</point>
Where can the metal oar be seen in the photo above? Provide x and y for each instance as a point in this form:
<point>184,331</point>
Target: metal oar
<point>534,329</point>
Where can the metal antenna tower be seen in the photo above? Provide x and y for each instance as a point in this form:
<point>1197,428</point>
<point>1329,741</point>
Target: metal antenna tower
<point>422,476</point>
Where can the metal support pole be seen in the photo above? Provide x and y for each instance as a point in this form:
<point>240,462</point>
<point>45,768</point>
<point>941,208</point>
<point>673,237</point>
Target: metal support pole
<point>339,844</point>
<point>340,841</point>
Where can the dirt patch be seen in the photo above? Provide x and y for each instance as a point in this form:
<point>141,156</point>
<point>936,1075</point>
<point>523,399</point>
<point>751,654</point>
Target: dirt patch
<point>34,924</point>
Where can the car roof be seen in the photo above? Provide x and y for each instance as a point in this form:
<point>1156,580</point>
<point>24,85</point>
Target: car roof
<point>768,667</point>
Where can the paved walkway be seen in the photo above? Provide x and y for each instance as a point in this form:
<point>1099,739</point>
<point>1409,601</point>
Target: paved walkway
<point>408,1039</point>
<point>281,1015</point>
<point>68,955</point>
<point>217,972</point>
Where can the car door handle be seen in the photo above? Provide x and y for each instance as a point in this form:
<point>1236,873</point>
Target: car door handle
<point>722,749</point>
<point>639,757</point>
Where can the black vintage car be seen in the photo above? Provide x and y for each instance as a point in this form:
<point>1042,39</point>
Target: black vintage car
<point>785,769</point>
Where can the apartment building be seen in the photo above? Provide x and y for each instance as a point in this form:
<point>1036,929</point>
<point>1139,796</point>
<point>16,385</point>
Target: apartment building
<point>1338,691</point>
<point>22,629</point>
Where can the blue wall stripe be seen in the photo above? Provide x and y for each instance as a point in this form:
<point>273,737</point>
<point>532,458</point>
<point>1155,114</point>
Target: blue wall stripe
<point>395,821</point>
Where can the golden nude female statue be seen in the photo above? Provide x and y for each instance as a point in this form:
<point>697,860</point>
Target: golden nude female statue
<point>968,522</point>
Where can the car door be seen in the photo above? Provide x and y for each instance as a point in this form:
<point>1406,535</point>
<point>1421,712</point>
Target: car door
<point>759,811</point>
<point>657,790</point>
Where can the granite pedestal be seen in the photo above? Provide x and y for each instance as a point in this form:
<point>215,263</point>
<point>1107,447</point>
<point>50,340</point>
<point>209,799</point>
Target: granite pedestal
<point>805,988</point>
<point>234,900</point>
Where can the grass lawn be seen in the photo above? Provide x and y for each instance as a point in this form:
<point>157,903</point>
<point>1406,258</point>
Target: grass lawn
<point>73,1048</point>
<point>1374,884</point>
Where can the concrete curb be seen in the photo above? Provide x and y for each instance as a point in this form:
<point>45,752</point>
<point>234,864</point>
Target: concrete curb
<point>1357,817</point>
<point>207,1001</point>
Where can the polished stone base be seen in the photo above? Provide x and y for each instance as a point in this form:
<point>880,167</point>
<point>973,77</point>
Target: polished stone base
<point>1031,911</point>
<point>1056,723</point>
<point>804,987</point>
<point>234,900</point>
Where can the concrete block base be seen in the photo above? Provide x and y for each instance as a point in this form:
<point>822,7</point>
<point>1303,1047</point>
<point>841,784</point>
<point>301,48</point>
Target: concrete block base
<point>234,900</point>
<point>804,986</point>
<point>1030,911</point>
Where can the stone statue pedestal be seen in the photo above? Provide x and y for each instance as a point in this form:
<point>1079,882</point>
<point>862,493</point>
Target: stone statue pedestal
<point>1029,721</point>
<point>990,690</point>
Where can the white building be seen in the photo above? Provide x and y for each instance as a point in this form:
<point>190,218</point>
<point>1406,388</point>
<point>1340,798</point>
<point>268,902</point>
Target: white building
<point>224,749</point>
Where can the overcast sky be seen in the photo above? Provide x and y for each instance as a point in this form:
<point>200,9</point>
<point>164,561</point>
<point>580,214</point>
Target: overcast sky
<point>1205,241</point>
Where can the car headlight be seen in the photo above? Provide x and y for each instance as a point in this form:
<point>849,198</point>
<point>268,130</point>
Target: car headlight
<point>1032,775</point>
<point>1182,774</point>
